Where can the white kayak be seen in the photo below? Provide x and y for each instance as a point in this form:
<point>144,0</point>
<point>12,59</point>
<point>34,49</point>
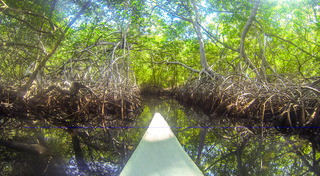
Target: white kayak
<point>160,153</point>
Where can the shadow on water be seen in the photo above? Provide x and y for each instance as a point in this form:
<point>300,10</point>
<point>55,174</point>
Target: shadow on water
<point>219,146</point>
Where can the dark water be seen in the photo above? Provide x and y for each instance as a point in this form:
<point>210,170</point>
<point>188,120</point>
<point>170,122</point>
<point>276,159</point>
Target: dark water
<point>219,146</point>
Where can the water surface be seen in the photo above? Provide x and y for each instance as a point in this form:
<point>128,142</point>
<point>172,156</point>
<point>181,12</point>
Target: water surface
<point>218,145</point>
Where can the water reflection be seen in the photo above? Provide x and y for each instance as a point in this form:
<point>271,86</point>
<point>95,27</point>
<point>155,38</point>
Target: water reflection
<point>219,146</point>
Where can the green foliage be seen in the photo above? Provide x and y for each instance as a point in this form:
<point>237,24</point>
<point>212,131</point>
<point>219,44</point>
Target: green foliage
<point>285,33</point>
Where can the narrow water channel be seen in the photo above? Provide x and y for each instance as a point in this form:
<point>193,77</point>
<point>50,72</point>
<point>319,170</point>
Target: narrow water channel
<point>218,145</point>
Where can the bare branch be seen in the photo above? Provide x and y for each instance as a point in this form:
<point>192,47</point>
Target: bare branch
<point>4,44</point>
<point>6,8</point>
<point>197,28</point>
<point>247,26</point>
<point>216,39</point>
<point>178,63</point>
<point>53,50</point>
<point>4,4</point>
<point>28,24</point>
<point>174,14</point>
<point>272,35</point>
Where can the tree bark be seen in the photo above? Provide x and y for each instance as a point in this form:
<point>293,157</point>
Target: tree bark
<point>196,24</point>
<point>243,36</point>
<point>264,63</point>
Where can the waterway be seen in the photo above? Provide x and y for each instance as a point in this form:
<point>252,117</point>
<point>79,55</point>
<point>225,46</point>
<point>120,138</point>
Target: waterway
<point>218,145</point>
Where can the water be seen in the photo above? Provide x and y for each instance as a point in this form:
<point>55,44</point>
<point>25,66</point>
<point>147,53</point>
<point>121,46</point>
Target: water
<point>220,146</point>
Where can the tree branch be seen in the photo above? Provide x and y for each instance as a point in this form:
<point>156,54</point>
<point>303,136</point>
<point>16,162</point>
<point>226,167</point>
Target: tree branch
<point>244,33</point>
<point>27,23</point>
<point>197,28</point>
<point>247,26</point>
<point>53,50</point>
<point>174,14</point>
<point>272,35</point>
<point>3,44</point>
<point>5,8</point>
<point>4,4</point>
<point>216,39</point>
<point>178,63</point>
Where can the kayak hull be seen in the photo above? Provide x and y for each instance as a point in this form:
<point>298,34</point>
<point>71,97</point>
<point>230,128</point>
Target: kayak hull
<point>160,153</point>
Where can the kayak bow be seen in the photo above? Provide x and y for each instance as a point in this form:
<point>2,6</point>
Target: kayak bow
<point>160,153</point>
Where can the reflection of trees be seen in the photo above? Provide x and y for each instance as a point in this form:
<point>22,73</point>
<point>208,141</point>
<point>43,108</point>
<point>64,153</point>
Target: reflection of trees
<point>82,166</point>
<point>26,152</point>
<point>71,152</point>
<point>235,151</point>
<point>202,138</point>
<point>308,156</point>
<point>228,149</point>
<point>99,151</point>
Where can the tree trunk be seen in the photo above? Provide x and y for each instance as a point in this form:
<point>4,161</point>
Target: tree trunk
<point>53,50</point>
<point>82,166</point>
<point>24,147</point>
<point>243,36</point>
<point>202,138</point>
<point>264,63</point>
<point>241,168</point>
<point>196,25</point>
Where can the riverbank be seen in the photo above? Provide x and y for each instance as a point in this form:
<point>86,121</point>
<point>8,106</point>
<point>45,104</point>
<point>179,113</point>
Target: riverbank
<point>292,107</point>
<point>73,105</point>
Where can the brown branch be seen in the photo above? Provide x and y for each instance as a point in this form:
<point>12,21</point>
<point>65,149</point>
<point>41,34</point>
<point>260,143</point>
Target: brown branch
<point>178,63</point>
<point>216,39</point>
<point>247,26</point>
<point>27,23</point>
<point>23,11</point>
<point>24,147</point>
<point>273,35</point>
<point>53,50</point>
<point>7,9</point>
<point>244,33</point>
<point>4,44</point>
<point>174,14</point>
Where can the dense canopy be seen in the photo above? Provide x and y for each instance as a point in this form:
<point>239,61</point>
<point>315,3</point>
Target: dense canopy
<point>157,42</point>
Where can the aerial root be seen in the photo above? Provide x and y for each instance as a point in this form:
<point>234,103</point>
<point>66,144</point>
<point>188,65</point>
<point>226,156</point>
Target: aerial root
<point>287,105</point>
<point>74,106</point>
